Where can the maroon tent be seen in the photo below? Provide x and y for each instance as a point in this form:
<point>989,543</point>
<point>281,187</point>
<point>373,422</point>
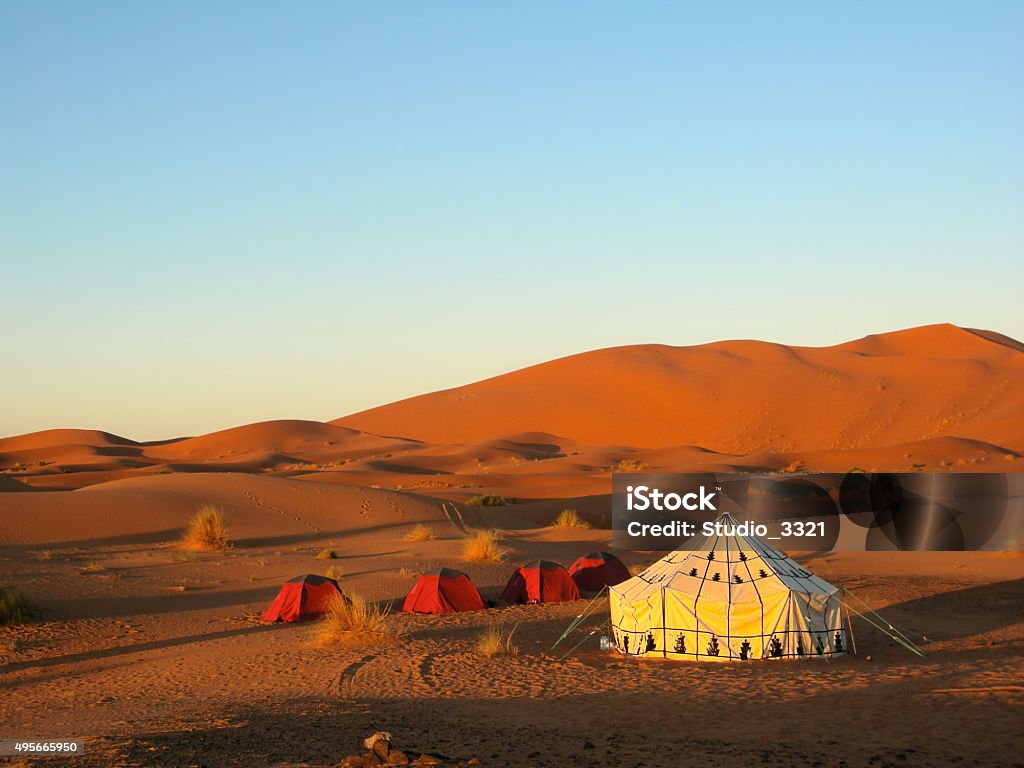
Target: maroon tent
<point>598,570</point>
<point>540,582</point>
<point>442,591</point>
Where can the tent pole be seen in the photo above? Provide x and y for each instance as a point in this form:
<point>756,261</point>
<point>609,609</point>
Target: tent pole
<point>849,626</point>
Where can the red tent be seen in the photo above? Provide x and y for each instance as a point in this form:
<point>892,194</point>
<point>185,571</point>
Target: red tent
<point>301,598</point>
<point>540,582</point>
<point>442,591</point>
<point>597,570</point>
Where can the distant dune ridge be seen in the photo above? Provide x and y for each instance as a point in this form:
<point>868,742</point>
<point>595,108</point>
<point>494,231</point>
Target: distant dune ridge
<point>742,396</point>
<point>936,397</point>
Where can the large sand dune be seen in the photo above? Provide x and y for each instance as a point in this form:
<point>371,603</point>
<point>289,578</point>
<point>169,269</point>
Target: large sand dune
<point>741,396</point>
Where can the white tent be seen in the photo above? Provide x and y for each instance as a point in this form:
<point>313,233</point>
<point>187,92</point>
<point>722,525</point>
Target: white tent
<point>727,597</point>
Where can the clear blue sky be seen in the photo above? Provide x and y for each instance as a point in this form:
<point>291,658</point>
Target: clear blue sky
<point>216,213</point>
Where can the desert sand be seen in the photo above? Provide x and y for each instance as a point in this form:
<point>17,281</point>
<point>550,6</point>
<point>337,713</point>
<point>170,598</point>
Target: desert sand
<point>156,655</point>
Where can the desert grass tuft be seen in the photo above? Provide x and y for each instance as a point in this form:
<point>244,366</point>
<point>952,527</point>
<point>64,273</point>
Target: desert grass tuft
<point>631,465</point>
<point>352,620</point>
<point>327,554</point>
<point>93,567</point>
<point>334,572</point>
<point>420,532</point>
<point>570,518</point>
<point>494,642</point>
<point>14,608</point>
<point>207,532</point>
<point>483,547</point>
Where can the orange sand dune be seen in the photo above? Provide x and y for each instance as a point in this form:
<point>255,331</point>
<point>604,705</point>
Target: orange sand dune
<point>935,398</point>
<point>261,510</point>
<point>284,436</point>
<point>57,437</point>
<point>741,396</point>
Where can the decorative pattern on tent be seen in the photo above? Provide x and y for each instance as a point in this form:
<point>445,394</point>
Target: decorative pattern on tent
<point>729,598</point>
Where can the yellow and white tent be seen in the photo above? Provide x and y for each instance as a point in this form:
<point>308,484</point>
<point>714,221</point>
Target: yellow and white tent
<point>727,598</point>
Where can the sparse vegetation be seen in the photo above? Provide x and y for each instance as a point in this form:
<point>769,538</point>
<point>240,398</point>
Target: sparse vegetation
<point>326,554</point>
<point>494,642</point>
<point>93,567</point>
<point>420,532</point>
<point>207,532</point>
<point>487,500</point>
<point>14,608</point>
<point>334,572</point>
<point>354,620</point>
<point>483,546</point>
<point>569,518</point>
<point>630,465</point>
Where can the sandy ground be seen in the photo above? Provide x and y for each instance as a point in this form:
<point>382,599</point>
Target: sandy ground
<point>156,655</point>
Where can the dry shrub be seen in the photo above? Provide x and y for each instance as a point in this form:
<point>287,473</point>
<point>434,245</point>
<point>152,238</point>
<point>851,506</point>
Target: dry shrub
<point>487,500</point>
<point>93,567</point>
<point>494,642</point>
<point>631,465</point>
<point>14,608</point>
<point>334,572</point>
<point>326,554</point>
<point>352,620</point>
<point>420,532</point>
<point>483,547</point>
<point>207,532</point>
<point>570,518</point>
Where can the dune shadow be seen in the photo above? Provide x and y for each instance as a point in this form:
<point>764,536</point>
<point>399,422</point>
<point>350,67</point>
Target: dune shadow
<point>107,653</point>
<point>971,610</point>
<point>175,602</point>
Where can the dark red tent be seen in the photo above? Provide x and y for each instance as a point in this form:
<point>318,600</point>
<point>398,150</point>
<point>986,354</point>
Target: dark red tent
<point>443,591</point>
<point>301,598</point>
<point>598,570</point>
<point>540,582</point>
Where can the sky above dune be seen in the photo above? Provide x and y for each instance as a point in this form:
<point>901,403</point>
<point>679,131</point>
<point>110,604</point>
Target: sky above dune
<point>212,214</point>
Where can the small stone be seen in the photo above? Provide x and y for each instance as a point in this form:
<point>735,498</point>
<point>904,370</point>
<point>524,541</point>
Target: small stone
<point>473,761</point>
<point>378,736</point>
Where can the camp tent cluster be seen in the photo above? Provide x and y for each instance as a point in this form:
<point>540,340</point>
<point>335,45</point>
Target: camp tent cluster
<point>727,598</point>
<point>446,590</point>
